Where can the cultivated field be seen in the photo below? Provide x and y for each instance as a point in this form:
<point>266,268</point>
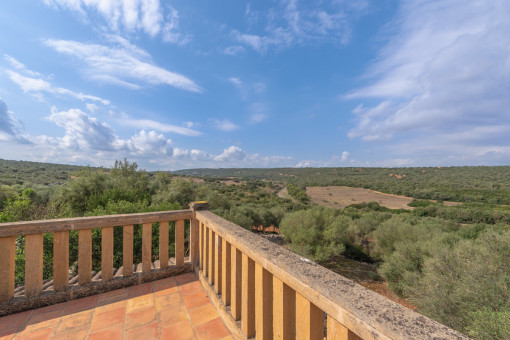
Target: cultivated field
<point>341,197</point>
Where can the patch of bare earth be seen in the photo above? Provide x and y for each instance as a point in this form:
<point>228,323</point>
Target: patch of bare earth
<point>340,197</point>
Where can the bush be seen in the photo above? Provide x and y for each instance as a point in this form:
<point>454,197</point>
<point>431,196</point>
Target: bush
<point>318,232</point>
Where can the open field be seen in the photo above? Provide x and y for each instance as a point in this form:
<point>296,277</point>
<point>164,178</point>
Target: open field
<point>340,197</point>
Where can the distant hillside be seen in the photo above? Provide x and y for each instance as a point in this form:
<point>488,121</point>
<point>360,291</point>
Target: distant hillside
<point>464,184</point>
<point>35,173</point>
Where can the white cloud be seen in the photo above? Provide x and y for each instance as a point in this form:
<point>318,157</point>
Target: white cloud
<point>88,141</point>
<point>345,156</point>
<point>151,124</point>
<point>236,81</point>
<point>232,154</point>
<point>224,125</point>
<point>11,129</point>
<point>128,16</point>
<point>292,22</point>
<point>37,86</point>
<point>233,50</point>
<point>122,64</point>
<point>83,132</point>
<point>190,124</point>
<point>20,66</point>
<point>257,118</point>
<point>442,77</point>
<point>259,112</point>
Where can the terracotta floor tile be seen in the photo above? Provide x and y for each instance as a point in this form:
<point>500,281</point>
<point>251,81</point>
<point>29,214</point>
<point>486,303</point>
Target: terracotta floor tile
<point>140,317</point>
<point>228,337</point>
<point>112,333</point>
<point>45,320</point>
<point>190,288</point>
<point>166,301</point>
<point>165,288</point>
<point>119,293</point>
<point>80,334</point>
<point>202,314</point>
<point>139,290</point>
<point>178,331</point>
<point>172,308</point>
<point>58,306</point>
<point>164,281</point>
<point>148,332</point>
<point>12,323</point>
<point>140,302</point>
<point>212,330</point>
<point>101,308</point>
<point>173,315</point>
<point>75,321</point>
<point>82,304</point>
<point>108,319</point>
<point>41,334</point>
<point>195,300</point>
<point>186,278</point>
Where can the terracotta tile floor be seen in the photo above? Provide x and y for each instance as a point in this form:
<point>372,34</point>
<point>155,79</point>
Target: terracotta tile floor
<point>173,308</point>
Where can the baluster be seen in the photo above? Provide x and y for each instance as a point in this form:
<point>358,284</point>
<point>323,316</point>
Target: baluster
<point>236,278</point>
<point>284,310</point>
<point>163,244</point>
<point>84,256</point>
<point>107,253</point>
<point>263,303</point>
<point>60,260</point>
<point>127,250</point>
<point>193,243</point>
<point>218,265</point>
<point>337,331</point>
<point>248,297</point>
<point>309,319</point>
<point>201,245</point>
<point>226,273</point>
<point>7,265</point>
<point>146,247</point>
<point>211,256</point>
<point>206,251</point>
<point>179,243</point>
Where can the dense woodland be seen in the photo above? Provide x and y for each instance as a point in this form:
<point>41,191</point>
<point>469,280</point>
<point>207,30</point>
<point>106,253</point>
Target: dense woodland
<point>451,262</point>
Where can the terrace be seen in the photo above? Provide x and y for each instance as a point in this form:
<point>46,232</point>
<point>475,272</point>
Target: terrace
<point>233,284</point>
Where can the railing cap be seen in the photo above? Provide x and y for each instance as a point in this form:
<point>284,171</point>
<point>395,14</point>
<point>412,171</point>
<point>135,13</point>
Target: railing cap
<point>199,205</point>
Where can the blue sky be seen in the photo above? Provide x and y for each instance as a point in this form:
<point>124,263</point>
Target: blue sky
<point>180,84</point>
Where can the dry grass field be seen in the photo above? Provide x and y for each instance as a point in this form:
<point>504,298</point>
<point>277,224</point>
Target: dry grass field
<point>341,197</point>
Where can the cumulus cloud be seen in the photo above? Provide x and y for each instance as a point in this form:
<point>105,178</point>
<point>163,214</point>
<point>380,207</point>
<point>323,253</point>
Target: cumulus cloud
<point>128,16</point>
<point>37,86</point>
<point>224,125</point>
<point>83,131</point>
<point>122,64</point>
<point>292,22</point>
<point>87,140</point>
<point>11,129</point>
<point>443,76</point>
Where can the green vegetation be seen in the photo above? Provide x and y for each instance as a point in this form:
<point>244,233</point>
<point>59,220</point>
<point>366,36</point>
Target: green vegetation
<point>452,262</point>
<point>461,184</point>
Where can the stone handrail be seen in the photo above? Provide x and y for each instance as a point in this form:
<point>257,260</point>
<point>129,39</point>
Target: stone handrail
<point>278,294</point>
